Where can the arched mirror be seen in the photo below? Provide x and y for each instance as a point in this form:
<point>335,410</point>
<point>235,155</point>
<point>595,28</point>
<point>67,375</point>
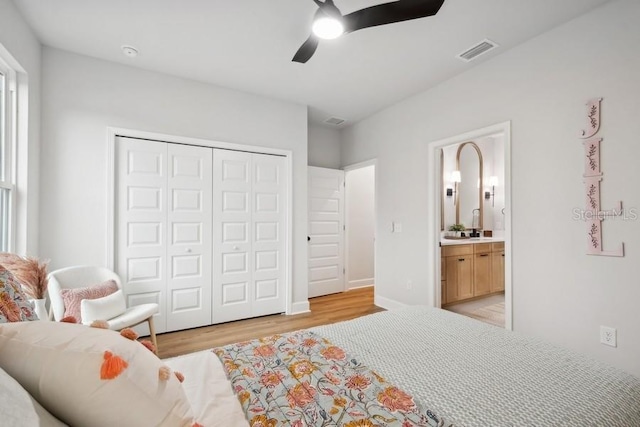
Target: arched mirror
<point>469,209</point>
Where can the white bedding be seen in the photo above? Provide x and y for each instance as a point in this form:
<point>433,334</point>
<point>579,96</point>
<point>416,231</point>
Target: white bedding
<point>208,390</point>
<point>467,372</point>
<point>474,374</point>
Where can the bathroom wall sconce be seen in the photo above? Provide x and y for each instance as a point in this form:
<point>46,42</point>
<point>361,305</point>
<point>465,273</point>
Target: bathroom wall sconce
<point>493,181</point>
<point>455,178</point>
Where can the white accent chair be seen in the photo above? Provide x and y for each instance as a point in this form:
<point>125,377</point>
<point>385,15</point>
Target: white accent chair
<point>87,275</point>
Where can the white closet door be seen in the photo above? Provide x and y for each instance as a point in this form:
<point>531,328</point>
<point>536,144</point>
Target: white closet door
<point>326,231</point>
<point>190,242</point>
<point>232,257</point>
<point>249,217</point>
<point>141,222</point>
<point>269,216</point>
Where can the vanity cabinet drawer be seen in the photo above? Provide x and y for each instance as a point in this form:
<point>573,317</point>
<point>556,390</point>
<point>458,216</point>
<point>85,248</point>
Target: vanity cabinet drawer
<point>456,250</point>
<point>497,246</point>
<point>482,248</point>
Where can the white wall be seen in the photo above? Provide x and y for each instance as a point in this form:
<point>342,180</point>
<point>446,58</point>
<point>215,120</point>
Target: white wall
<point>82,96</point>
<point>360,223</point>
<point>559,293</point>
<point>18,41</point>
<point>324,147</point>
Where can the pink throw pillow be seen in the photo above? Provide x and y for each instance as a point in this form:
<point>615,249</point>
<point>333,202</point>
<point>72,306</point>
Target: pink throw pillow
<point>72,297</point>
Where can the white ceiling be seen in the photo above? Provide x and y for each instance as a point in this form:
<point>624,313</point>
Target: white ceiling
<point>248,44</point>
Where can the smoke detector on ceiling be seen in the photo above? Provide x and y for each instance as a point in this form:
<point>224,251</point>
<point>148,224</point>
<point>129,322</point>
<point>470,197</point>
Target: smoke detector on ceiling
<point>130,51</point>
<point>335,121</point>
<point>479,49</point>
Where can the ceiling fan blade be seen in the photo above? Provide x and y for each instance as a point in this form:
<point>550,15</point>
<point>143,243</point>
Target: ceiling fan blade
<point>307,50</point>
<point>388,13</point>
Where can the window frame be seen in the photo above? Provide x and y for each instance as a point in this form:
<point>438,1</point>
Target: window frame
<point>8,147</point>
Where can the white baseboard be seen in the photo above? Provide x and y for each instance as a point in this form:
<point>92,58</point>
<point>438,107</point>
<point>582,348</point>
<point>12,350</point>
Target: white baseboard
<point>361,283</point>
<point>387,303</point>
<point>300,307</point>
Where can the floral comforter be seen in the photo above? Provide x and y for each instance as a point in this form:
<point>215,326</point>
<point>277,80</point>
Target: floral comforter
<point>301,379</point>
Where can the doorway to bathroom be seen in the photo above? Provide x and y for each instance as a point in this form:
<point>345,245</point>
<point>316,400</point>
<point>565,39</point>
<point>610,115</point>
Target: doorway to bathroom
<point>472,235</point>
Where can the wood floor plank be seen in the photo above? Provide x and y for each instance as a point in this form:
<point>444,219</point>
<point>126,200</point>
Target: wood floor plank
<point>324,310</point>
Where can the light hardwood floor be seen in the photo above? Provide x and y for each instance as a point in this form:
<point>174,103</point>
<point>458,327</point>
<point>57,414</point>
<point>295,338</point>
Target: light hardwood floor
<point>324,310</point>
<point>489,309</point>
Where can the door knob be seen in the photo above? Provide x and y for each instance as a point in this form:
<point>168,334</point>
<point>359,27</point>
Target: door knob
<point>188,250</point>
<point>235,248</point>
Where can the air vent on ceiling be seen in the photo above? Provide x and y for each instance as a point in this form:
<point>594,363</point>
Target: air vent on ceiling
<point>334,121</point>
<point>483,47</point>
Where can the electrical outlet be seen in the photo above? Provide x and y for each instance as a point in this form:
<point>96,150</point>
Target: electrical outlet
<point>608,336</point>
<point>409,284</point>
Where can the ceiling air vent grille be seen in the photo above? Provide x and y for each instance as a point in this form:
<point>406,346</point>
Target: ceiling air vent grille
<point>334,121</point>
<point>483,47</point>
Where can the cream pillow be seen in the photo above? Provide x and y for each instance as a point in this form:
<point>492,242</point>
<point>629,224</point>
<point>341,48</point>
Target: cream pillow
<point>104,308</point>
<point>17,408</point>
<point>90,376</point>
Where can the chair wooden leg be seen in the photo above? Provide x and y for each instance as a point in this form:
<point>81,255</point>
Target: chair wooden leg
<point>152,333</point>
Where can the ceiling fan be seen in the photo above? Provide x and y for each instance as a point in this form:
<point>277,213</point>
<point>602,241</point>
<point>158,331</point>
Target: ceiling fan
<point>329,23</point>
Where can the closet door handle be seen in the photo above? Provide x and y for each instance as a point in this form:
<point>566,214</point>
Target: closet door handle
<point>235,248</point>
<point>460,259</point>
<point>188,250</point>
<point>484,254</point>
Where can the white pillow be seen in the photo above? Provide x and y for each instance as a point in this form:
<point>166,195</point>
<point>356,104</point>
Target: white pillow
<point>16,408</point>
<point>62,366</point>
<point>104,308</point>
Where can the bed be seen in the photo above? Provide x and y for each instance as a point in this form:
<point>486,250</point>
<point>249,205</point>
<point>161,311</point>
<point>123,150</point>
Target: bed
<point>457,370</point>
<point>413,367</point>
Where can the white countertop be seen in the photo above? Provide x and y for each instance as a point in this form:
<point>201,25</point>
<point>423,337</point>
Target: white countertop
<point>470,241</point>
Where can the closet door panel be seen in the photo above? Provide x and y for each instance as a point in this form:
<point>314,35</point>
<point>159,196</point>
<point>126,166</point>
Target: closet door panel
<point>268,220</point>
<point>189,253</point>
<point>232,257</point>
<point>141,224</point>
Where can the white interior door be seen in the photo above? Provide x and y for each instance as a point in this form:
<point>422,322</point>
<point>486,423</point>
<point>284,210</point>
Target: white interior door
<point>269,216</point>
<point>189,251</point>
<point>141,223</point>
<point>232,260</point>
<point>164,221</point>
<point>326,231</point>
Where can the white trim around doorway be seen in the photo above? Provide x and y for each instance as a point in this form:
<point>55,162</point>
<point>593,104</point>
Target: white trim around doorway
<point>434,208</point>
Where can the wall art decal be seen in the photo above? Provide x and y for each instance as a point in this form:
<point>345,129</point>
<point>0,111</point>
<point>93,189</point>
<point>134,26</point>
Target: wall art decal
<point>593,118</point>
<point>592,178</point>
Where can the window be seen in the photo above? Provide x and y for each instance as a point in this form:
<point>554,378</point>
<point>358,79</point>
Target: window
<point>7,150</point>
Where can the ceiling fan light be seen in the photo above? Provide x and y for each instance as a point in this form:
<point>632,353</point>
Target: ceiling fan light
<point>327,28</point>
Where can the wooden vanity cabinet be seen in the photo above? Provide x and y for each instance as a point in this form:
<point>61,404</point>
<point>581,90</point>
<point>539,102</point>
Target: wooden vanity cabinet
<point>481,269</point>
<point>459,272</point>
<point>471,270</point>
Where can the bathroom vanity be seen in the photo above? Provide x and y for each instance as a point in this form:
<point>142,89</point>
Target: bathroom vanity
<point>471,268</point>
